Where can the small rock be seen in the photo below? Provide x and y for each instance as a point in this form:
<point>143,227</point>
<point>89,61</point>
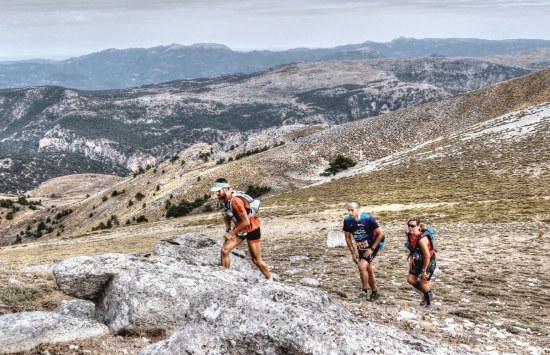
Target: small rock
<point>406,315</point>
<point>309,281</point>
<point>465,347</point>
<point>73,347</point>
<point>297,258</point>
<point>336,239</point>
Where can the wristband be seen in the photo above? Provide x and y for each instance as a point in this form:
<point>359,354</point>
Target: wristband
<point>424,270</point>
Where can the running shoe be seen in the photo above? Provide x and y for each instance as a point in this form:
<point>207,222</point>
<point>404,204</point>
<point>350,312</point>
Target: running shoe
<point>363,295</point>
<point>374,296</point>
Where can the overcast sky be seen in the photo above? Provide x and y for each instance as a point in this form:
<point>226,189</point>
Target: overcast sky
<point>59,29</point>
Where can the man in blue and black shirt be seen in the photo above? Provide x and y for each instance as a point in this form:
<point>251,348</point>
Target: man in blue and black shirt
<point>369,238</point>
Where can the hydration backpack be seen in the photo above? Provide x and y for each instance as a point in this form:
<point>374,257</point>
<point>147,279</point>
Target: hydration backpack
<point>252,209</point>
<point>428,232</point>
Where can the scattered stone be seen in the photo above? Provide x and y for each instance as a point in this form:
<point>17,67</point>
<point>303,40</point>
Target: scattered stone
<point>336,239</point>
<point>309,282</point>
<point>24,331</point>
<point>297,258</point>
<point>406,315</point>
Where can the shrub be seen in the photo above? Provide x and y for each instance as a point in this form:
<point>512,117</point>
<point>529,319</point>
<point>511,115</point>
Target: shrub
<point>141,219</point>
<point>185,207</point>
<point>139,196</point>
<point>338,164</point>
<point>255,191</point>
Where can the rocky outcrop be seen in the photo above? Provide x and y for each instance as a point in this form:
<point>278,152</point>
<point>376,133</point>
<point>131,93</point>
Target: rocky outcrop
<point>71,321</point>
<point>59,139</point>
<point>206,309</point>
<point>139,293</point>
<point>274,318</point>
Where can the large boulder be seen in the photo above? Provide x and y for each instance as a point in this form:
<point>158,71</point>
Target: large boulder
<point>209,309</point>
<point>136,293</point>
<point>273,318</point>
<point>21,332</point>
<point>197,249</point>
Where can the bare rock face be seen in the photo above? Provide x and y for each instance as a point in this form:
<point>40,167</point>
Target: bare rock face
<point>212,310</point>
<point>23,331</point>
<point>77,309</point>
<point>273,318</point>
<point>137,293</point>
<point>195,249</point>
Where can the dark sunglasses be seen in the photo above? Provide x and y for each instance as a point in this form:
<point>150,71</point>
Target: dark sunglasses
<point>412,225</point>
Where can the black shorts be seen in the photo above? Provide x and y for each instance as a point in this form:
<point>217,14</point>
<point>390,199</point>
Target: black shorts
<point>251,237</point>
<point>417,268</point>
<point>361,253</point>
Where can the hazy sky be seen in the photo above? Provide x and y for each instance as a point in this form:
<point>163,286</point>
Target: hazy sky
<point>59,29</point>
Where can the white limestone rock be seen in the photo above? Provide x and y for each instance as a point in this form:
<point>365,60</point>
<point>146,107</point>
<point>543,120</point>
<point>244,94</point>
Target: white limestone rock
<point>274,318</point>
<point>136,293</point>
<point>77,308</point>
<point>197,249</point>
<point>336,239</point>
<point>24,331</point>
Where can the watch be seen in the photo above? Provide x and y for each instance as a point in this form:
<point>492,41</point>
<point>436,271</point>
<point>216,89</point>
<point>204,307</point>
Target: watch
<point>423,270</point>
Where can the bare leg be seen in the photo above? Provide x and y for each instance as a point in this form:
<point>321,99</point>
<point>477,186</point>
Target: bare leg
<point>363,273</point>
<point>255,248</point>
<point>372,278</point>
<point>228,245</point>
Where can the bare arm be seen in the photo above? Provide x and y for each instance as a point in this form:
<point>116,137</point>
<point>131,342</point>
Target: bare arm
<point>423,243</point>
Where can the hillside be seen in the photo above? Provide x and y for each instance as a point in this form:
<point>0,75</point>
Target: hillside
<point>123,130</point>
<point>474,166</point>
<point>299,162</point>
<point>531,59</point>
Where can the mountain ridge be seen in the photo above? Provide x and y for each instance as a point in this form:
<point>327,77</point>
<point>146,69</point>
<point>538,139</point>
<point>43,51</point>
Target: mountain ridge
<point>124,68</point>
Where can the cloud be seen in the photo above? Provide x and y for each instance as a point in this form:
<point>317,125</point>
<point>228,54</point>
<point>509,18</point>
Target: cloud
<point>84,26</point>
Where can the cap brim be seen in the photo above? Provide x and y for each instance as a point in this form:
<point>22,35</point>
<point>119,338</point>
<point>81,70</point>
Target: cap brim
<point>219,186</point>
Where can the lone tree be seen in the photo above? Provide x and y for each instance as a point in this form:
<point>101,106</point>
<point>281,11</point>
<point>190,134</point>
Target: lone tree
<point>338,164</point>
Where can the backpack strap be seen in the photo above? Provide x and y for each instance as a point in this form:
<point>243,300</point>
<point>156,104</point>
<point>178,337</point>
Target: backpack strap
<point>245,202</point>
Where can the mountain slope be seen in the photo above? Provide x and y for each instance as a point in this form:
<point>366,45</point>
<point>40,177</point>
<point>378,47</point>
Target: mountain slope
<point>127,129</point>
<point>531,59</point>
<point>432,153</point>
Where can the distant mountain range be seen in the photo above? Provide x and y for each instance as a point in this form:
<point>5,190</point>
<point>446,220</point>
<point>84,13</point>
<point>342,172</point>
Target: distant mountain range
<point>118,69</point>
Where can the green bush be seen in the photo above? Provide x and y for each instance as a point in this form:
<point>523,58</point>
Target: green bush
<point>340,163</point>
<point>185,207</point>
<point>255,190</point>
